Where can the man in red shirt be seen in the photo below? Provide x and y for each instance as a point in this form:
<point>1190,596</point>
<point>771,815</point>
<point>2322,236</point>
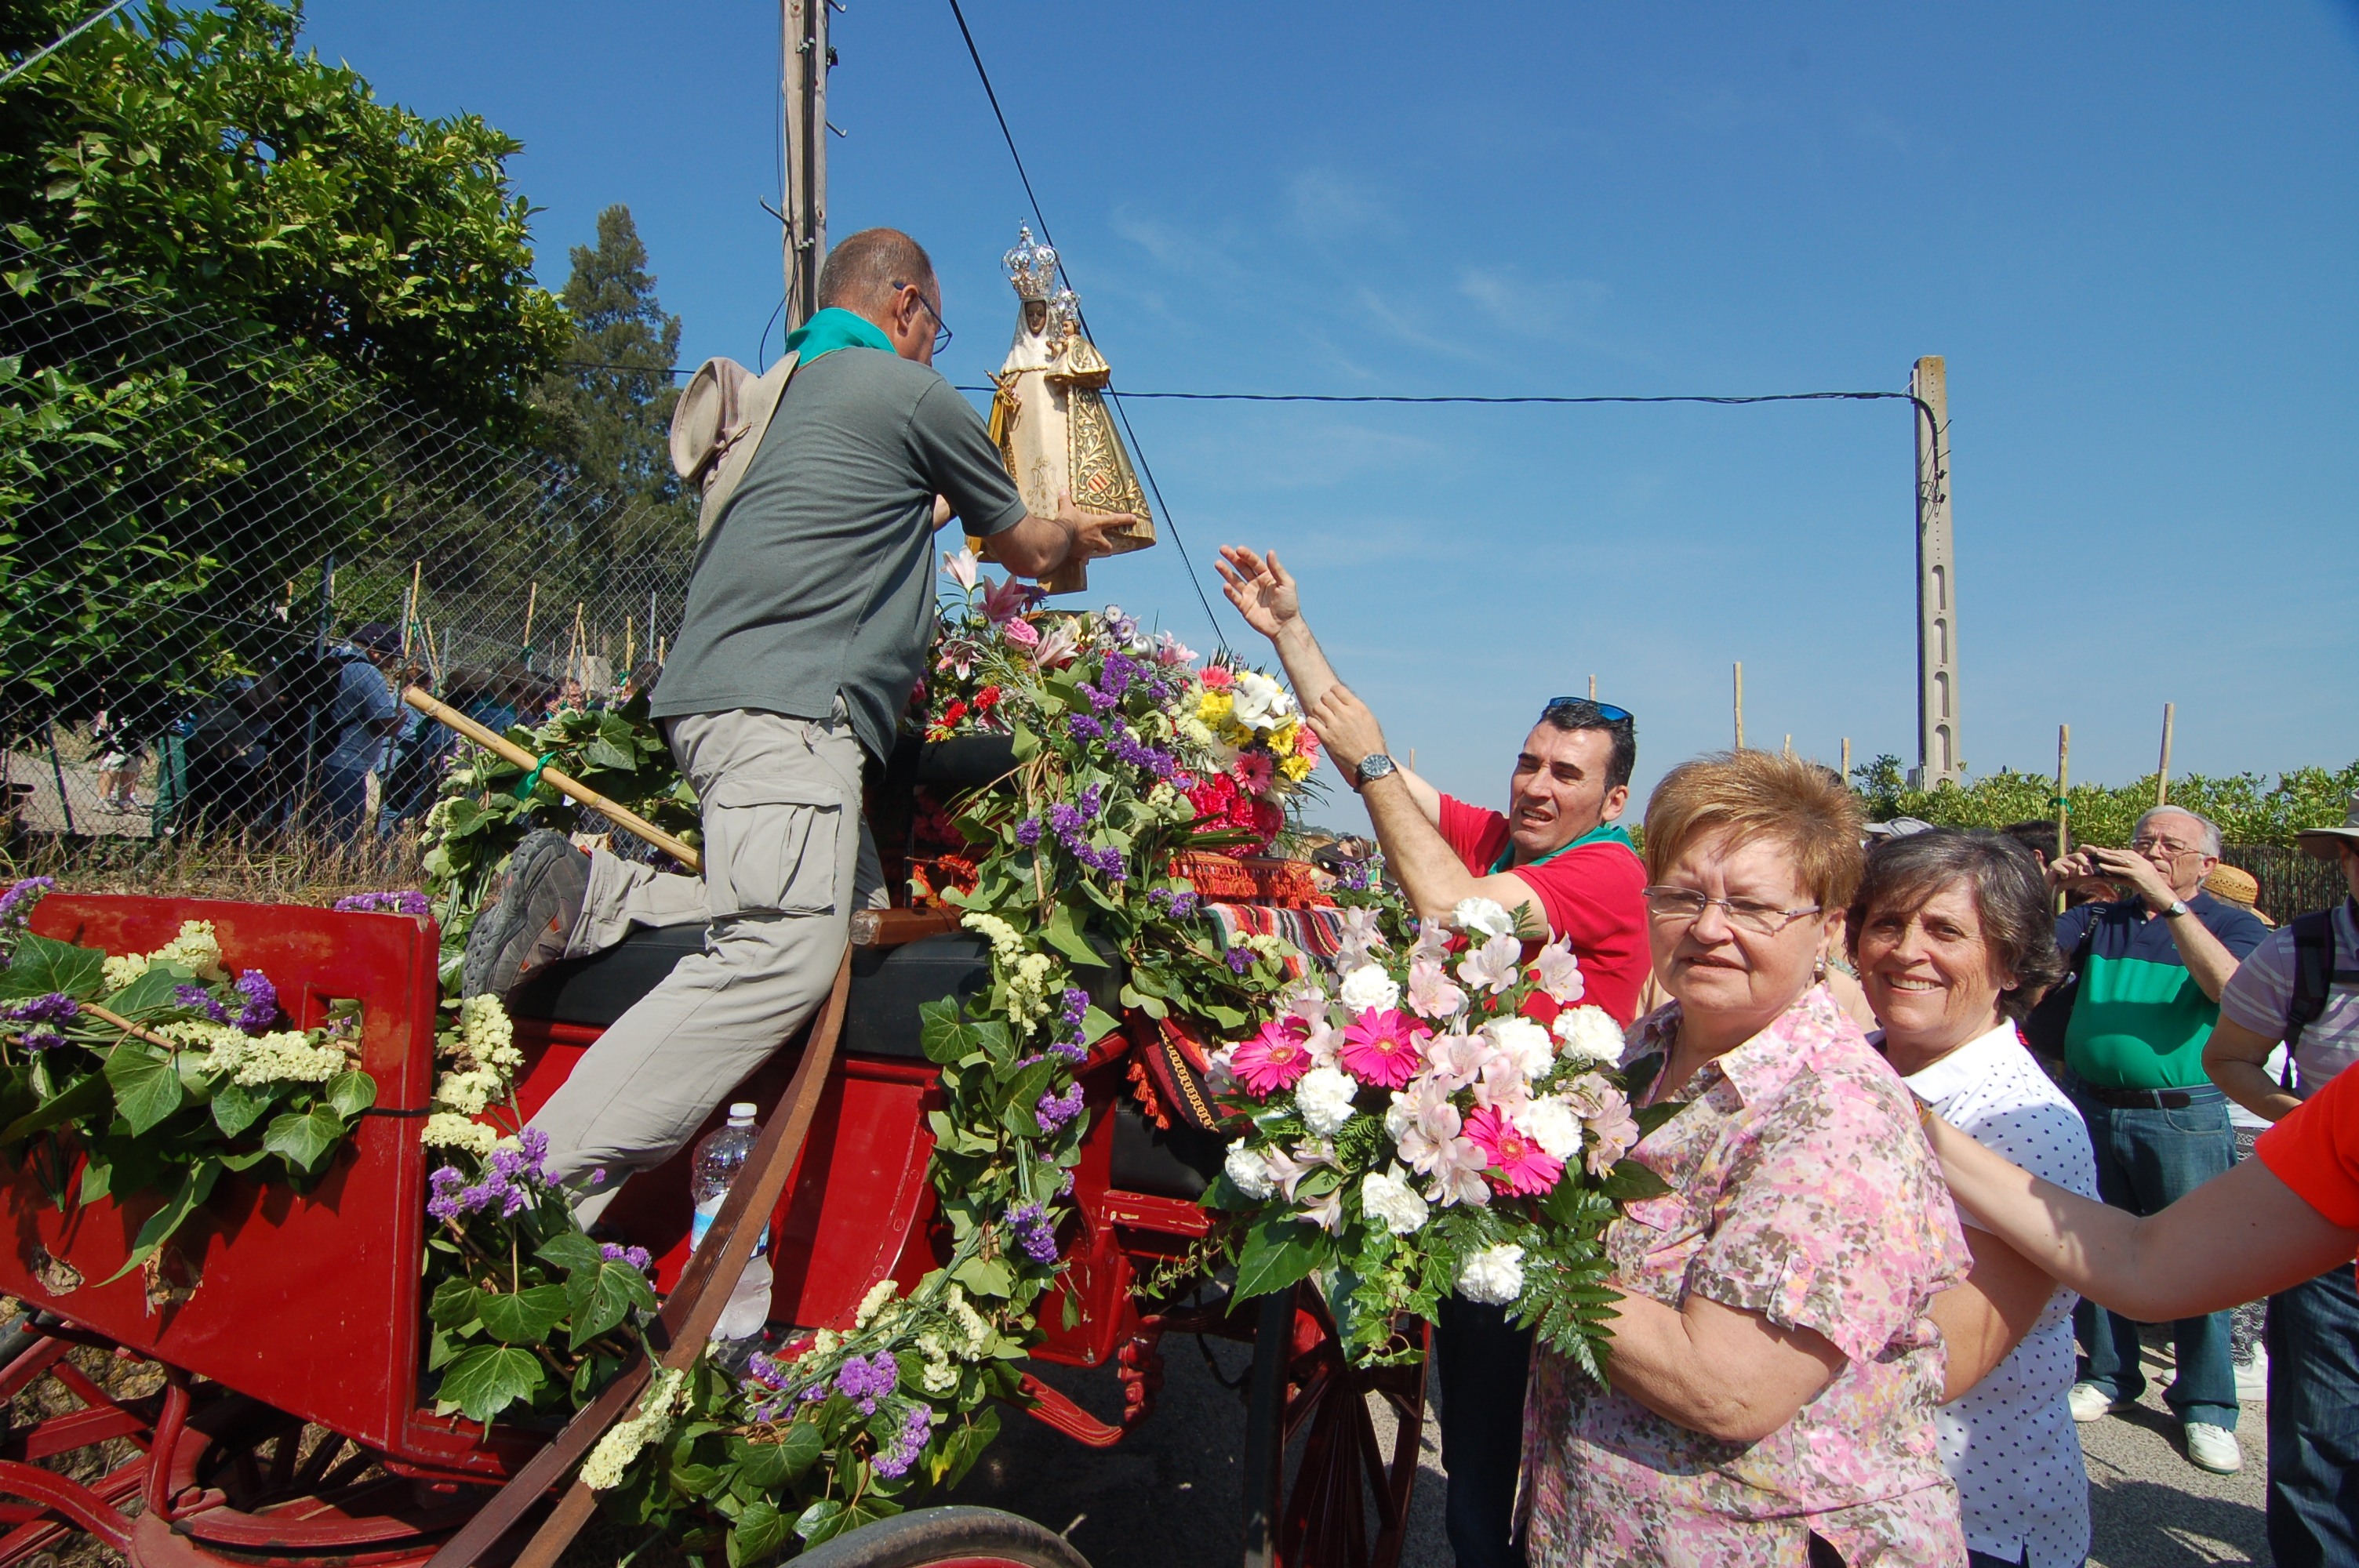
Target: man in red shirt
<point>1556,859</point>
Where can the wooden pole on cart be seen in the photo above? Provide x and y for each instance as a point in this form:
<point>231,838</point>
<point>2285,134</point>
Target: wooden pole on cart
<point>685,1324</point>
<point>531,601</point>
<point>2162,773</point>
<point>1846,755</point>
<point>444,714</point>
<point>1740,705</point>
<point>2063,780</point>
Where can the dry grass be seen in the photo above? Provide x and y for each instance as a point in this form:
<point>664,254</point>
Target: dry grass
<point>295,866</point>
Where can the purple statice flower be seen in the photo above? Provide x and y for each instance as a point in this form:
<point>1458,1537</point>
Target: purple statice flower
<point>1093,800</point>
<point>1129,749</point>
<point>1081,727</point>
<point>1179,905</point>
<point>1100,700</point>
<point>1054,1110</point>
<point>1027,832</point>
<point>17,903</point>
<point>1239,960</point>
<point>40,1039</point>
<point>261,1002</point>
<point>636,1257</point>
<point>1034,1232</point>
<point>55,1008</point>
<point>404,902</point>
<point>535,1144</point>
<point>196,999</point>
<point>865,1381</point>
<point>895,1460</point>
<point>447,1202</point>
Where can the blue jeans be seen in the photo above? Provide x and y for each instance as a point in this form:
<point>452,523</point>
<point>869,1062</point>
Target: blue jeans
<point>344,797</point>
<point>2313,1340</point>
<point>1484,1361</point>
<point>2146,1160</point>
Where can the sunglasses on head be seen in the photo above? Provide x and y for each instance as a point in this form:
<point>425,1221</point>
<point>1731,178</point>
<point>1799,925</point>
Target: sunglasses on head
<point>1605,710</point>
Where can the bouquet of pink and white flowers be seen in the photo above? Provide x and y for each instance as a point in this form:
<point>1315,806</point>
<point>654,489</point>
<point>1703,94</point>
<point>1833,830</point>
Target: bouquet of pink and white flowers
<point>1450,1119</point>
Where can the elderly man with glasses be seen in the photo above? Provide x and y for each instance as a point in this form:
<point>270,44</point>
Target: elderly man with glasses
<point>1555,859</point>
<point>2149,971</point>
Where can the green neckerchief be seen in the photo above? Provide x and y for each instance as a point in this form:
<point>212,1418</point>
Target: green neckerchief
<point>1604,833</point>
<point>833,329</point>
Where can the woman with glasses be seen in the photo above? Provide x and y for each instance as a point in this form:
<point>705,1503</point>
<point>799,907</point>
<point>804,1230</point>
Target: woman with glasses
<point>1774,1364</point>
<point>1954,935</point>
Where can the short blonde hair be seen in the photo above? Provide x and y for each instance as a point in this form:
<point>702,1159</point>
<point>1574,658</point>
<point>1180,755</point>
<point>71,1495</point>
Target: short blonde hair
<point>1756,795</point>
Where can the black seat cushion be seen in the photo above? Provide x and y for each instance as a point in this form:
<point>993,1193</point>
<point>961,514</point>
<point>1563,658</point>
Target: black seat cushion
<point>595,990</point>
<point>1179,1163</point>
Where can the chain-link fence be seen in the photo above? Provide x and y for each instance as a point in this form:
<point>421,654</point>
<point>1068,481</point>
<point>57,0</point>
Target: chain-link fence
<point>194,518</point>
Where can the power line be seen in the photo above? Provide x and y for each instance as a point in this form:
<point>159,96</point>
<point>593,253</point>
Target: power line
<point>29,61</point>
<point>1145,470</point>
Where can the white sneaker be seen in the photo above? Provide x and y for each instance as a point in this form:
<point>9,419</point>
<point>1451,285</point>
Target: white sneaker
<point>2252,1378</point>
<point>2090,1403</point>
<point>2213,1448</point>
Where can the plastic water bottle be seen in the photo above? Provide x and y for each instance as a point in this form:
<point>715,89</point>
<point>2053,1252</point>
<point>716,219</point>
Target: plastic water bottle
<point>719,1157</point>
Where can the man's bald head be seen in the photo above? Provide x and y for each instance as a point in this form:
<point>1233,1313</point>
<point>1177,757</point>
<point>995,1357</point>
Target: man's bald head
<point>862,271</point>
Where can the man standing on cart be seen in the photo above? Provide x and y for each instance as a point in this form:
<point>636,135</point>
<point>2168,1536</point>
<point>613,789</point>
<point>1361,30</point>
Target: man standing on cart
<point>810,612</point>
<point>1557,857</point>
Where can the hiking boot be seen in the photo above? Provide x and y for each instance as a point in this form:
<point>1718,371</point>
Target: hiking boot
<point>530,925</point>
<point>2213,1448</point>
<point>2090,1403</point>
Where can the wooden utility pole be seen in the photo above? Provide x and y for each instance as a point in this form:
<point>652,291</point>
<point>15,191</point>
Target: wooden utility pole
<point>1937,583</point>
<point>2162,773</point>
<point>1740,705</point>
<point>804,59</point>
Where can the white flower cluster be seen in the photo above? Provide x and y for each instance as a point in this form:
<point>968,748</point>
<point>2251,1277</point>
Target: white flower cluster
<point>285,1057</point>
<point>1386,1195</point>
<point>1250,1171</point>
<point>1276,949</point>
<point>486,1059</point>
<point>486,1034</point>
<point>1006,946</point>
<point>1493,1276</point>
<point>196,948</point>
<point>1028,991</point>
<point>449,1129</point>
<point>1589,1035</point>
<point>880,1295</point>
<point>603,1470</point>
<point>1323,1097</point>
<point>1368,986</point>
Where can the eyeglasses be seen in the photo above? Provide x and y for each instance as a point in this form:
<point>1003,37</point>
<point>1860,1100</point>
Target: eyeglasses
<point>2148,845</point>
<point>1687,904</point>
<point>1605,710</point>
<point>941,332</point>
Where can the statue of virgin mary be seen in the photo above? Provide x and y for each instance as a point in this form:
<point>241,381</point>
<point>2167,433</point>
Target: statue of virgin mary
<point>1049,416</point>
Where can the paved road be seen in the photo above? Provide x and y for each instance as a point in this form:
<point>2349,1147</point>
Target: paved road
<point>1168,1496</point>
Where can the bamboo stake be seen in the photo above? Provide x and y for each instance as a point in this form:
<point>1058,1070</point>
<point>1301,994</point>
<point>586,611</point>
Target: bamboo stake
<point>531,601</point>
<point>432,658</point>
<point>2162,773</point>
<point>630,648</point>
<point>442,713</point>
<point>579,658</point>
<point>2064,784</point>
<point>1789,745</point>
<point>1846,754</point>
<point>113,1021</point>
<point>1592,688</point>
<point>1740,705</point>
<point>409,611</point>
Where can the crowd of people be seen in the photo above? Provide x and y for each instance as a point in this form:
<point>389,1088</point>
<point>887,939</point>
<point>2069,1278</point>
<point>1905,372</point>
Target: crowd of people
<point>1931,1133</point>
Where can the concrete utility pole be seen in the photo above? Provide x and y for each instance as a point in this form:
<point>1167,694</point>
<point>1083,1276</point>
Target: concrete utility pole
<point>803,62</point>
<point>1937,585</point>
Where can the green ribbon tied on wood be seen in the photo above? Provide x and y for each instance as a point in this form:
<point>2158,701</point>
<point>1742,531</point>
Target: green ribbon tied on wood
<point>531,781</point>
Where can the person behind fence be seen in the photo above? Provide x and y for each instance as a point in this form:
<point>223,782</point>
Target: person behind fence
<point>2150,968</point>
<point>809,610</point>
<point>1954,934</point>
<point>361,714</point>
<point>2301,988</point>
<point>1556,855</point>
<point>1775,1364</point>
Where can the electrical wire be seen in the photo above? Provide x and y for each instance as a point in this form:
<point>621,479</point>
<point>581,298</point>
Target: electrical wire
<point>1145,470</point>
<point>37,56</point>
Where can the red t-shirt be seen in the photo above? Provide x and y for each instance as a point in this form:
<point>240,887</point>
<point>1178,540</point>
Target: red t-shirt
<point>2316,1149</point>
<point>1591,894</point>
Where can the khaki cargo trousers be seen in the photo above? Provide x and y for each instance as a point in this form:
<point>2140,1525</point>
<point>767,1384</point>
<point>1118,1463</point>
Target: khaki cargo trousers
<point>786,858</point>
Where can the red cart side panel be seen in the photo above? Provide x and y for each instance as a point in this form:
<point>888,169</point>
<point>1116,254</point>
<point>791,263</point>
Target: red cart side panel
<point>307,1302</point>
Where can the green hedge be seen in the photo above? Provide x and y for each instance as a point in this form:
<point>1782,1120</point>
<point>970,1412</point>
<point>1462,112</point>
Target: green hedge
<point>2247,807</point>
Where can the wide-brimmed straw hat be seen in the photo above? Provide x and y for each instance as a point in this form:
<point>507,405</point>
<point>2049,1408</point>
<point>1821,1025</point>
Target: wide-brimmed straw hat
<point>718,423</point>
<point>2326,843</point>
<point>2234,883</point>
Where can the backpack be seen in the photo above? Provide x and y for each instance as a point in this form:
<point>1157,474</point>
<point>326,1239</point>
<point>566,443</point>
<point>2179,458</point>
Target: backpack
<point>2314,974</point>
<point>2044,1029</point>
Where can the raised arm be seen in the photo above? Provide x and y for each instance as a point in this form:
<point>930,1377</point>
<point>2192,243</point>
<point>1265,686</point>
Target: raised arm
<point>1265,594</point>
<point>2236,1238</point>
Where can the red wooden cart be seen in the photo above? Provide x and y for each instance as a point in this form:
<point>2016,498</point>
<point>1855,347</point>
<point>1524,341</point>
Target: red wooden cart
<point>274,1348</point>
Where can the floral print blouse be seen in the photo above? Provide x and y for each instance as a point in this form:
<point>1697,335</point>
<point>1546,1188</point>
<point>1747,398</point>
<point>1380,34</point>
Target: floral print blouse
<point>1802,1188</point>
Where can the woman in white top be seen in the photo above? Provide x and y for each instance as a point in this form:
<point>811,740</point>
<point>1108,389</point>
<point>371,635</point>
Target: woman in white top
<point>1954,938</point>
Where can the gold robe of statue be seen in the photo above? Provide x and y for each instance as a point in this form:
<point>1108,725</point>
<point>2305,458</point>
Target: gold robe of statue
<point>1051,419</point>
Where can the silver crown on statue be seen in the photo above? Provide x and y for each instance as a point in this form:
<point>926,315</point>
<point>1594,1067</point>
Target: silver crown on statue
<point>1031,268</point>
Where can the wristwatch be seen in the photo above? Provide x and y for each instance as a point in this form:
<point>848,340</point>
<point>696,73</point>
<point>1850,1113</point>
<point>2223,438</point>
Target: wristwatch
<point>2178,907</point>
<point>1373,766</point>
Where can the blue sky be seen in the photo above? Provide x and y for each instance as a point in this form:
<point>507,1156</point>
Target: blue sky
<point>2132,230</point>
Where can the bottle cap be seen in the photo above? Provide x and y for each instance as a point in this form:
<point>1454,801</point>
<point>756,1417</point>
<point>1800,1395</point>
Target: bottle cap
<point>743,1111</point>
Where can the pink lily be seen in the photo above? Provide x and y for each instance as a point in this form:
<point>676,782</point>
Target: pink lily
<point>1006,601</point>
<point>1059,647</point>
<point>963,568</point>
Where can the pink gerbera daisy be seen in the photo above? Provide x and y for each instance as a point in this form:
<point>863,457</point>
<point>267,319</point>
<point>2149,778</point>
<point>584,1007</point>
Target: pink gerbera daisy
<point>1384,1047</point>
<point>1273,1059</point>
<point>1218,677</point>
<point>1253,770</point>
<point>1518,1165</point>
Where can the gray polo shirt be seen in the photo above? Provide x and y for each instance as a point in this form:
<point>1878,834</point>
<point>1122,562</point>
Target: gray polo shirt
<point>817,579</point>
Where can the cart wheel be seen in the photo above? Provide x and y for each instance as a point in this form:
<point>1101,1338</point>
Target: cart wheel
<point>249,1483</point>
<point>946,1538</point>
<point>1333,1499</point>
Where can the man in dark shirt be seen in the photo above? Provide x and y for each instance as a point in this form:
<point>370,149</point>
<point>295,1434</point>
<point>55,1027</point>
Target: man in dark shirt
<point>809,610</point>
<point>2151,968</point>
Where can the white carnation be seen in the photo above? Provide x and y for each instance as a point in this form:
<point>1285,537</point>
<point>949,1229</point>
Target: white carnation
<point>1589,1034</point>
<point>1250,1171</point>
<point>1368,986</point>
<point>1386,1196</point>
<point>1526,1043</point>
<point>1482,916</point>
<point>1324,1099</point>
<point>1493,1276</point>
<point>1553,1125</point>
